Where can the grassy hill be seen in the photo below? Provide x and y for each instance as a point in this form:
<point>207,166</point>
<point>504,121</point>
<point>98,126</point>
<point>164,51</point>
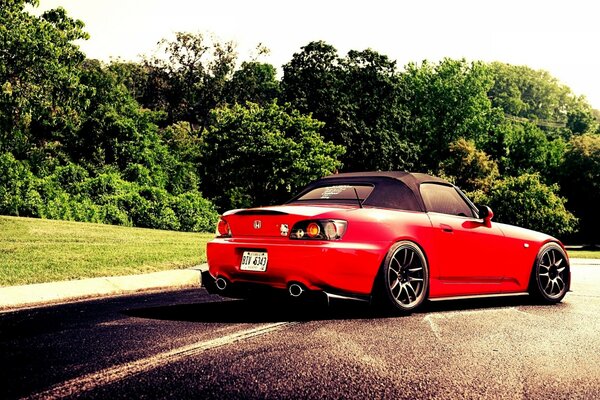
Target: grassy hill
<point>39,250</point>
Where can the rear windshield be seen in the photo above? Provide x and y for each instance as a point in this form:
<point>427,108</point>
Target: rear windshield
<point>385,193</point>
<point>338,192</point>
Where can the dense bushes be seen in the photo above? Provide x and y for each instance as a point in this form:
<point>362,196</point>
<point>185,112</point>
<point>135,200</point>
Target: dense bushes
<point>526,201</point>
<point>69,193</point>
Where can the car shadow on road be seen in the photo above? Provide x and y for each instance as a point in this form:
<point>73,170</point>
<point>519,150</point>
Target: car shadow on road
<point>220,310</point>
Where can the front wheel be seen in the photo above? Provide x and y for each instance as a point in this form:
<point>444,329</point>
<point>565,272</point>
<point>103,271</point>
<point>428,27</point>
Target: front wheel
<point>550,277</point>
<point>405,277</point>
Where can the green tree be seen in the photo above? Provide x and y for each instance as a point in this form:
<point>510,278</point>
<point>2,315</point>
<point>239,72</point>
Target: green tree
<point>445,102</point>
<point>580,183</point>
<point>528,149</point>
<point>254,155</point>
<point>527,202</point>
<point>535,96</point>
<point>524,92</point>
<point>357,98</point>
<point>372,115</point>
<point>135,77</point>
<point>191,80</point>
<point>311,81</point>
<point>254,82</point>
<point>582,118</point>
<point>468,167</point>
<point>41,96</point>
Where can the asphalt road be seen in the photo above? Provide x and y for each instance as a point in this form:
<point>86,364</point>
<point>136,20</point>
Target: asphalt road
<point>189,344</point>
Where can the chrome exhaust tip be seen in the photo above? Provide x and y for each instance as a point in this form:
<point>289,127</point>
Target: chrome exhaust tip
<point>221,284</point>
<point>296,290</point>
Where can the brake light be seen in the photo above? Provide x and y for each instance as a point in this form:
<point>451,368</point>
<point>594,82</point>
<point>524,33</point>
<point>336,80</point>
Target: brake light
<point>313,230</point>
<point>329,229</point>
<point>223,229</point>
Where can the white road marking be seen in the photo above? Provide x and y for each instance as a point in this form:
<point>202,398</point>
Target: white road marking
<point>119,372</point>
<point>430,318</point>
<point>434,328</point>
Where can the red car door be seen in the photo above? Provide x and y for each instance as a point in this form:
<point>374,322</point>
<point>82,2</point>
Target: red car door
<point>467,257</point>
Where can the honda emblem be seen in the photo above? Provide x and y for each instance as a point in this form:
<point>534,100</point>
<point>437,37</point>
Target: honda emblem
<point>257,224</point>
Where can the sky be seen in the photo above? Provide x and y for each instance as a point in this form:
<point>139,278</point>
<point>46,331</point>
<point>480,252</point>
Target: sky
<point>561,37</point>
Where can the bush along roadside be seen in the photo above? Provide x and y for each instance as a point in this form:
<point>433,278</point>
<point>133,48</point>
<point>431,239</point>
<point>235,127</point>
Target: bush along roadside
<point>71,193</point>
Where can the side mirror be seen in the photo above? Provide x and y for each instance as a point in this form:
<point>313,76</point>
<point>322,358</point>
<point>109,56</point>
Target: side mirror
<point>486,214</point>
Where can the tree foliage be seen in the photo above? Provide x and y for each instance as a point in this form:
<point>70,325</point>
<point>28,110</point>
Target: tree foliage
<point>254,82</point>
<point>189,76</point>
<point>526,201</point>
<point>357,98</point>
<point>446,101</point>
<point>41,96</point>
<point>580,182</point>
<point>142,143</point>
<point>528,149</point>
<point>468,167</point>
<point>255,155</point>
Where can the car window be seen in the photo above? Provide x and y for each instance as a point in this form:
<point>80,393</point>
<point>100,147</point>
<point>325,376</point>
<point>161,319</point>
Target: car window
<point>384,193</point>
<point>395,195</point>
<point>444,199</point>
<point>338,192</point>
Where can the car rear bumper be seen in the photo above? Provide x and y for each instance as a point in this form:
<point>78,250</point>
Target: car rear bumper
<point>336,266</point>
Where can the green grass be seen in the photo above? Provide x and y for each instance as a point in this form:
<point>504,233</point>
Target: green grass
<point>38,250</point>
<point>584,254</point>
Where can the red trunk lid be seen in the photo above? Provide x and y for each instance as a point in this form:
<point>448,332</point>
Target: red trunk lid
<point>270,221</point>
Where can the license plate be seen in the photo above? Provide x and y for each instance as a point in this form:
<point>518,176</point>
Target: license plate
<point>254,261</point>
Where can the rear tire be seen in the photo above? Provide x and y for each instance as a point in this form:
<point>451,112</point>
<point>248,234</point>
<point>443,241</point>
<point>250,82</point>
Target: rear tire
<point>404,278</point>
<point>550,277</point>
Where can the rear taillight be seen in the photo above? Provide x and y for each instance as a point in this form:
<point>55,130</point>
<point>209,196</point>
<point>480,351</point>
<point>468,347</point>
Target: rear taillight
<point>325,229</point>
<point>223,229</point>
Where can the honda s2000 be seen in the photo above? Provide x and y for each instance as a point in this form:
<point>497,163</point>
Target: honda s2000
<point>393,237</point>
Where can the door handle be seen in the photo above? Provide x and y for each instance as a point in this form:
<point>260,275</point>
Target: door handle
<point>446,228</point>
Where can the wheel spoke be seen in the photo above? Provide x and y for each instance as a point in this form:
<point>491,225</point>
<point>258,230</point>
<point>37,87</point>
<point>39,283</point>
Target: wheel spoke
<point>412,256</point>
<point>547,286</point>
<point>557,263</point>
<point>396,283</point>
<point>560,283</point>
<point>402,289</point>
<point>397,263</point>
<point>414,293</point>
<point>546,256</point>
<point>411,279</point>
<point>415,269</point>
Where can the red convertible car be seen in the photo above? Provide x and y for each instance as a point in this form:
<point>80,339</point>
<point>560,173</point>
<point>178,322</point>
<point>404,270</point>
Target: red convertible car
<point>397,238</point>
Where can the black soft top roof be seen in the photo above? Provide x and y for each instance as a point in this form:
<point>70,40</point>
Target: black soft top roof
<point>410,179</point>
<point>407,182</point>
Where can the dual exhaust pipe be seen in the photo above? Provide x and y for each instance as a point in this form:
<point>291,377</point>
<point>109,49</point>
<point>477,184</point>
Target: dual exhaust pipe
<point>221,284</point>
<point>295,289</point>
